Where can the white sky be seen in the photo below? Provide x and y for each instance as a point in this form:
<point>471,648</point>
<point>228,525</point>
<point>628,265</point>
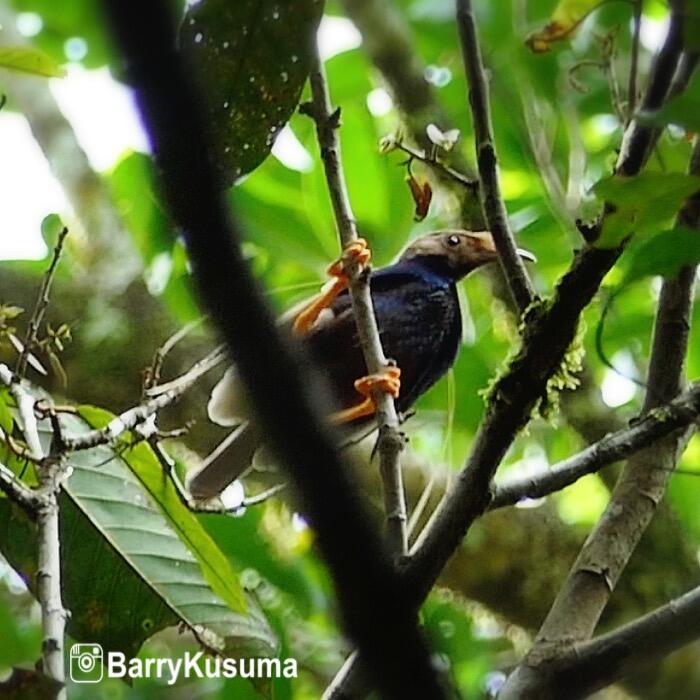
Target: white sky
<point>106,125</point>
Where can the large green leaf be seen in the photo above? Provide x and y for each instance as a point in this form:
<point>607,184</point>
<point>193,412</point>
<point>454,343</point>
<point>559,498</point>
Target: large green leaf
<point>145,465</point>
<point>641,204</point>
<point>252,58</point>
<point>128,570</point>
<point>664,254</point>
<point>110,602</point>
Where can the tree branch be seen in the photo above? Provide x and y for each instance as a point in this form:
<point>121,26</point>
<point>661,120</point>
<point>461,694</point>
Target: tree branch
<point>490,192</point>
<point>639,140</point>
<point>546,338</point>
<point>162,396</point>
<point>374,608</point>
<point>646,430</point>
<point>604,556</point>
<point>391,440</point>
<point>16,491</point>
<point>588,667</point>
<point>42,504</point>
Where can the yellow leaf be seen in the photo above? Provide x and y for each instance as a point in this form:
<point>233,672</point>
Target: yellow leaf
<point>567,15</point>
<point>29,60</point>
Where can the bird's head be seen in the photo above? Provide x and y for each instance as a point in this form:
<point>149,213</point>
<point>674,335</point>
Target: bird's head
<point>456,252</point>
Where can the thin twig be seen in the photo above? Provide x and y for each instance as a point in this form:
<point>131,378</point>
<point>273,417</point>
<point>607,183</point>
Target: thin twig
<point>161,395</point>
<point>206,364</point>
<point>168,465</point>
<point>388,41</point>
<point>128,420</point>
<point>16,491</point>
<point>28,423</point>
<point>390,441</point>
<point>490,191</point>
<point>152,375</point>
<point>42,303</point>
<point>430,158</point>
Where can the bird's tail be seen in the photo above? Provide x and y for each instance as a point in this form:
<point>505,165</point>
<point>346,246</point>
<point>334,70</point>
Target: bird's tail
<point>230,459</point>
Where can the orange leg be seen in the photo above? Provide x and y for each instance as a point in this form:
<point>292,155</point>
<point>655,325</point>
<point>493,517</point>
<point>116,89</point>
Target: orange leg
<point>388,381</point>
<point>357,252</point>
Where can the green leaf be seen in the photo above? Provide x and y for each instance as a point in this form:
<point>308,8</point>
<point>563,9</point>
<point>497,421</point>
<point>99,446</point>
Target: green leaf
<point>641,204</point>
<point>145,465</point>
<point>119,617</point>
<point>131,572</point>
<point>51,228</point>
<point>252,57</point>
<point>29,60</point>
<point>664,254</point>
<point>6,418</point>
<point>683,109</point>
<point>134,192</point>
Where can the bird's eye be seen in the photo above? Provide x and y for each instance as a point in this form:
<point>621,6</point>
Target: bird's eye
<point>453,240</point>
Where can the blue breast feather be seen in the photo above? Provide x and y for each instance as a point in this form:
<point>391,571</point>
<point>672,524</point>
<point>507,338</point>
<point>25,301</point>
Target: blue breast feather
<point>418,316</point>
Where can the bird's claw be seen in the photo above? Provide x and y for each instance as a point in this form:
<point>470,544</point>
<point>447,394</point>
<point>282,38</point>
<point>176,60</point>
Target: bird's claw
<point>387,381</point>
<point>357,253</point>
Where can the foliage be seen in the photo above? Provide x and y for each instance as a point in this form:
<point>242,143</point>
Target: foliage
<point>252,58</point>
<point>558,118</point>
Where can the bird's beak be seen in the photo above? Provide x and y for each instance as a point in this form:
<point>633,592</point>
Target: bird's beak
<point>489,245</point>
<point>526,255</point>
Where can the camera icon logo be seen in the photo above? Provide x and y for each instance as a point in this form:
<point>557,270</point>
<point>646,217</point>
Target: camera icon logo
<point>86,663</point>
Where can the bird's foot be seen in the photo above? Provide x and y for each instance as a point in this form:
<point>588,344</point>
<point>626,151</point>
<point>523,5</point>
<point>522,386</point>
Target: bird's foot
<point>387,381</point>
<point>358,253</point>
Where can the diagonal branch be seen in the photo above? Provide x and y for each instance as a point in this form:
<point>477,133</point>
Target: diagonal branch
<point>490,191</point>
<point>657,423</point>
<point>604,556</point>
<point>593,665</point>
<point>547,336</point>
<point>390,441</point>
<point>374,609</point>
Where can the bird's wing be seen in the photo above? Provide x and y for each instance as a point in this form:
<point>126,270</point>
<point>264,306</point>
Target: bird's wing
<point>228,404</point>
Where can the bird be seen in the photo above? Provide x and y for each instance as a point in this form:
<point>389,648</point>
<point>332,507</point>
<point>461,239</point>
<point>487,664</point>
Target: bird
<point>416,306</point>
